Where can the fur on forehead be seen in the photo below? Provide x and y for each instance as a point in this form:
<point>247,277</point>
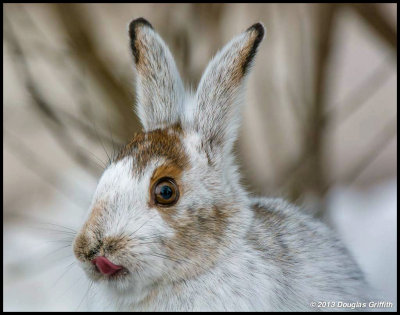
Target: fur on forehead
<point>164,143</point>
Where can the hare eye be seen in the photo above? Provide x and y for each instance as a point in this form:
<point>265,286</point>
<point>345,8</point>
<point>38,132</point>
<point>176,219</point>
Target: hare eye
<point>165,192</point>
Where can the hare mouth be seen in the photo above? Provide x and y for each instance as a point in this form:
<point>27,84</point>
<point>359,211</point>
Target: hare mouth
<point>108,270</point>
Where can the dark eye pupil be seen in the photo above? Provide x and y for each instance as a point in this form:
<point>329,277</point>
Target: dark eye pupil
<point>166,192</point>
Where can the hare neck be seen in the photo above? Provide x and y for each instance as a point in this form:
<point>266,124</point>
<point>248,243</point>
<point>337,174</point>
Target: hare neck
<point>216,289</point>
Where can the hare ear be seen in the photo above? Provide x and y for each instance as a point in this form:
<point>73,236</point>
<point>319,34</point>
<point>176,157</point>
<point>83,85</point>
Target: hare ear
<point>216,110</point>
<point>159,88</point>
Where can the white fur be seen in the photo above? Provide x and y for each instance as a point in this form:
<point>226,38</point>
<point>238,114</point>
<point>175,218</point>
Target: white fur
<point>159,97</point>
<point>279,259</point>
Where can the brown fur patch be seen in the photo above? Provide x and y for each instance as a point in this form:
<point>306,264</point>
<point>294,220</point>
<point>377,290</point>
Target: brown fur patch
<point>81,245</point>
<point>270,217</point>
<point>115,244</point>
<point>157,143</point>
<point>271,245</point>
<point>200,237</point>
<point>86,243</point>
<point>97,209</point>
<point>90,242</point>
<point>87,247</point>
<point>166,170</point>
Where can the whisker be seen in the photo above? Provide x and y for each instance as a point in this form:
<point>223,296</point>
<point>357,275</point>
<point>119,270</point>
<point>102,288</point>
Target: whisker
<point>142,225</point>
<point>86,294</point>
<point>69,267</point>
<point>99,162</point>
<point>171,273</point>
<point>63,242</point>
<point>178,259</point>
<point>58,225</point>
<point>69,288</point>
<point>55,251</point>
<point>112,140</point>
<point>58,231</point>
<point>97,133</point>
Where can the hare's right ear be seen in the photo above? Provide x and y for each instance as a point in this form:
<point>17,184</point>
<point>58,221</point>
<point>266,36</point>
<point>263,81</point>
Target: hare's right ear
<point>159,89</point>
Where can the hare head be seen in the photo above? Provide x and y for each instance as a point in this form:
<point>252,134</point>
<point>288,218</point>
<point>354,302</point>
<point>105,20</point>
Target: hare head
<point>170,205</point>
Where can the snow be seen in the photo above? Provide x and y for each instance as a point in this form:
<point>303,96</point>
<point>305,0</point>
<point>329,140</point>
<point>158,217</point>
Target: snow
<point>367,223</point>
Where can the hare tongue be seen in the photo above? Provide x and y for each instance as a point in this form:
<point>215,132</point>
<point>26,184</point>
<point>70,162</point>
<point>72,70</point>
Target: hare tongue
<point>105,266</point>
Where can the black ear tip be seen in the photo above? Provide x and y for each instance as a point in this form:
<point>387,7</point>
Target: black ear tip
<point>133,26</point>
<point>138,22</point>
<point>259,31</point>
<point>259,28</point>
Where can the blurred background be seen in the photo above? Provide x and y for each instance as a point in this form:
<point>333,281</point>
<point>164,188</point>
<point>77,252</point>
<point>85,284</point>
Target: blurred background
<point>319,125</point>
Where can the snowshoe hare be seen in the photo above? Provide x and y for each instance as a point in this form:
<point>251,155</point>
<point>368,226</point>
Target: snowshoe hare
<point>171,228</point>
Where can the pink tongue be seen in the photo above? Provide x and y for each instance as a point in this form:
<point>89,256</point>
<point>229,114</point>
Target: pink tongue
<point>105,266</point>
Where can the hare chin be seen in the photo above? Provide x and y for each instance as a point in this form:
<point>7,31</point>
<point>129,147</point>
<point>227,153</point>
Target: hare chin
<point>120,282</point>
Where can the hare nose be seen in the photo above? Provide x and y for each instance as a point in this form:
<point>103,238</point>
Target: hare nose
<point>105,266</point>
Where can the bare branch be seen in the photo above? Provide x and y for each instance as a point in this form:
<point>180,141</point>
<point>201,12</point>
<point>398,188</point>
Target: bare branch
<point>359,95</point>
<point>311,161</point>
<point>380,141</point>
<point>35,164</point>
<point>372,13</point>
<point>84,49</point>
<point>58,57</point>
<point>51,119</point>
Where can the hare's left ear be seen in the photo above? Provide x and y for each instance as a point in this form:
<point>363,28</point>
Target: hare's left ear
<point>159,89</point>
<point>215,114</point>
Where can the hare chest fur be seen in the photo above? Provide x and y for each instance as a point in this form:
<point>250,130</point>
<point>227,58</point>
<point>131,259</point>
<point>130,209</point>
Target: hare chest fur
<point>171,228</point>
